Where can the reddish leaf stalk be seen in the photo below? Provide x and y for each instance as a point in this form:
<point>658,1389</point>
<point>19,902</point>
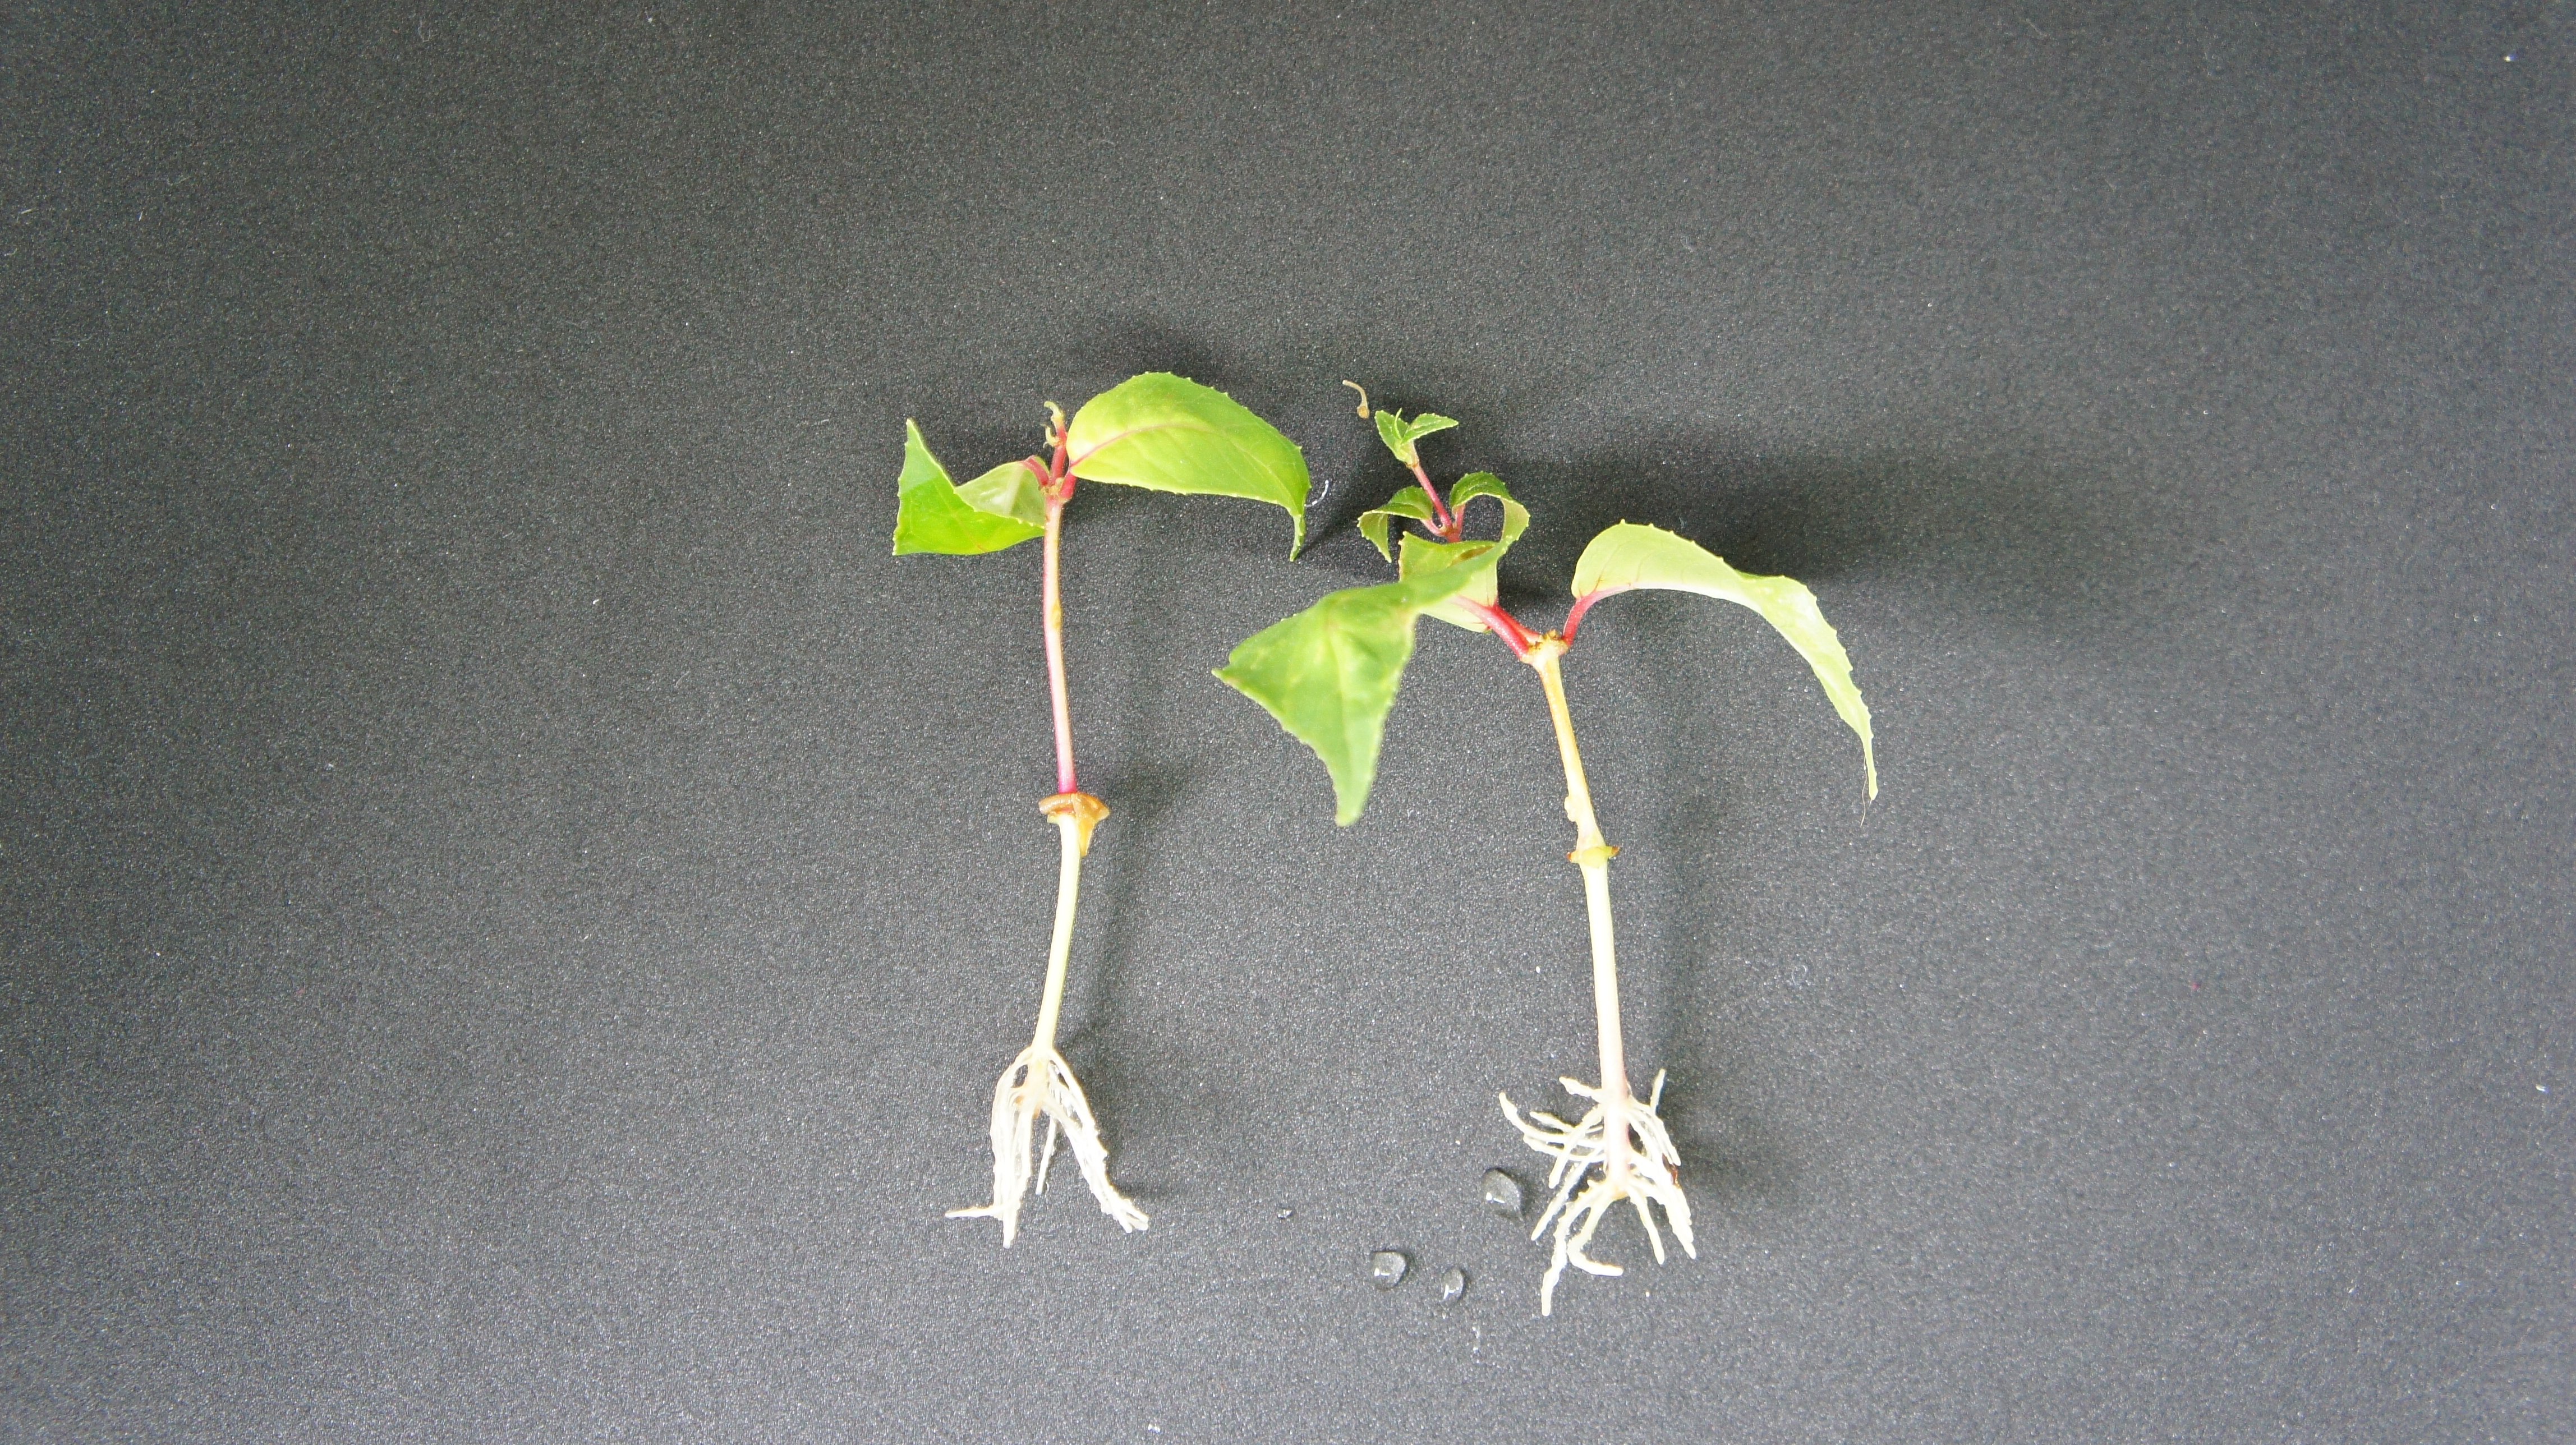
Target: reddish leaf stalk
<point>1583,604</point>
<point>1507,627</point>
<point>1445,523</point>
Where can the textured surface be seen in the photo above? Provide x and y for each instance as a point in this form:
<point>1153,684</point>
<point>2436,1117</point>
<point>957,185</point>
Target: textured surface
<point>514,900</point>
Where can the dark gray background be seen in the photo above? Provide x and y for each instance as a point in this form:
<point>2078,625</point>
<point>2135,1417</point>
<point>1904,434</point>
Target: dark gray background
<point>514,901</point>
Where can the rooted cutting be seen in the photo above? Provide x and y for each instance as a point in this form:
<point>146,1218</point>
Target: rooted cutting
<point>1330,674</point>
<point>1156,431</point>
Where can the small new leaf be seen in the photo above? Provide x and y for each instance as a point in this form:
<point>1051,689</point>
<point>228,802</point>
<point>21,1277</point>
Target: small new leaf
<point>933,514</point>
<point>1427,423</point>
<point>1330,673</point>
<point>1390,430</point>
<point>1412,504</point>
<point>1632,555</point>
<point>1423,554</point>
<point>1169,434</point>
<point>1401,435</point>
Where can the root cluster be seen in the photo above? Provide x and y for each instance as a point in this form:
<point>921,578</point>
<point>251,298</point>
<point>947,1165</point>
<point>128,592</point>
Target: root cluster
<point>1040,1082</point>
<point>1643,1172</point>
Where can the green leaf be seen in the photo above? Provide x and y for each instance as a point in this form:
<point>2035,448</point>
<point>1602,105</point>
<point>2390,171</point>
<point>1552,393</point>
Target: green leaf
<point>1631,555</point>
<point>1009,490</point>
<point>1400,435</point>
<point>1390,430</point>
<point>932,514</point>
<point>1329,674</point>
<point>1411,503</point>
<point>1170,434</point>
<point>1424,556</point>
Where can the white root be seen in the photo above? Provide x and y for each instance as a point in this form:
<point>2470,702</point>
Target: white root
<point>1649,1175</point>
<point>1040,1082</point>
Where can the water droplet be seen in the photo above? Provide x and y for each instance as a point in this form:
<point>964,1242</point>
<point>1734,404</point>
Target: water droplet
<point>1453,1285</point>
<point>1387,1267</point>
<point>1284,1213</point>
<point>1503,1193</point>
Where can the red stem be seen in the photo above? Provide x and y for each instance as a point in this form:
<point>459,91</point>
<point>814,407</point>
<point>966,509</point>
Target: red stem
<point>1064,780</point>
<point>1060,488</point>
<point>1443,521</point>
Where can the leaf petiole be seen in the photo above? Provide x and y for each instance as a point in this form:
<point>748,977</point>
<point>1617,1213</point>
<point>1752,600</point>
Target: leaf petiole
<point>1583,604</point>
<point>1444,522</point>
<point>1518,638</point>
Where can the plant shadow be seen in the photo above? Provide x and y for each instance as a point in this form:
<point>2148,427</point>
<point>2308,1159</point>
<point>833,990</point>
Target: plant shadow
<point>1730,1157</point>
<point>2014,537</point>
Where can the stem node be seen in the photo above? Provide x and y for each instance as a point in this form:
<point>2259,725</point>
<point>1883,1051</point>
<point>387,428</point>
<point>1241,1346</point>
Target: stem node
<point>1086,812</point>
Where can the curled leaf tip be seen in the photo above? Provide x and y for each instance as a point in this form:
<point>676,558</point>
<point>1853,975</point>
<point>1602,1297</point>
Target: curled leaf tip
<point>1637,555</point>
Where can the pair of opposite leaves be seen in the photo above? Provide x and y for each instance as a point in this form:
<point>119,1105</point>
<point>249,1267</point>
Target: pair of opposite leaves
<point>1330,673</point>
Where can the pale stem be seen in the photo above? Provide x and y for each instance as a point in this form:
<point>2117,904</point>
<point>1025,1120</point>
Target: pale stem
<point>1064,780</point>
<point>1068,883</point>
<point>1039,1081</point>
<point>1592,855</point>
